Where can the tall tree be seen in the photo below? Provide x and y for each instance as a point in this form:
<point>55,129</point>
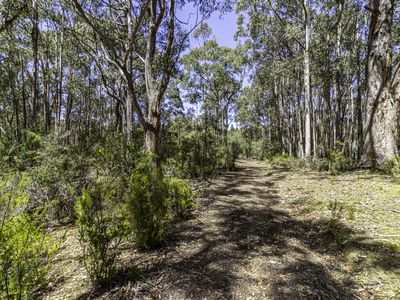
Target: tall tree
<point>381,122</point>
<point>307,80</point>
<point>153,22</point>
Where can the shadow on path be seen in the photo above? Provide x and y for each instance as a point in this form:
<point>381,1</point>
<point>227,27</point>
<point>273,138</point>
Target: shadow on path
<point>247,244</point>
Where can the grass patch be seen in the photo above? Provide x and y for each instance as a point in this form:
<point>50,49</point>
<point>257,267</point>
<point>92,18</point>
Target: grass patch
<point>361,212</point>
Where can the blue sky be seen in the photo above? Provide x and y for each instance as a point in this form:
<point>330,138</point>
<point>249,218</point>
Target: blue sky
<point>223,26</point>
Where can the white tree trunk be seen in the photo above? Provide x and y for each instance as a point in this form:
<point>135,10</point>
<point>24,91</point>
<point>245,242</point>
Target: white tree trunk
<point>307,80</point>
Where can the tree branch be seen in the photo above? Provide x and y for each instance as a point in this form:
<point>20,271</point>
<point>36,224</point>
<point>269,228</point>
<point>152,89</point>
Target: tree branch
<point>7,24</point>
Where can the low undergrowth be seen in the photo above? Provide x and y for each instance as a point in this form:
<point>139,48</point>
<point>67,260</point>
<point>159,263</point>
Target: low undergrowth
<point>335,163</point>
<point>112,211</point>
<point>26,248</point>
<point>359,212</point>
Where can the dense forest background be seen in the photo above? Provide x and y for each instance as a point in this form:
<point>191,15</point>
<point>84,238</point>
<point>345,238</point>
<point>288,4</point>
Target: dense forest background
<point>108,108</point>
<point>302,81</point>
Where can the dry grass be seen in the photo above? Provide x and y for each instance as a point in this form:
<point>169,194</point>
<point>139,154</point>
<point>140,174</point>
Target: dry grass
<point>370,244</point>
<point>263,233</point>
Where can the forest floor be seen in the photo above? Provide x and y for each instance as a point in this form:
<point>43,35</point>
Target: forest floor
<point>263,233</point>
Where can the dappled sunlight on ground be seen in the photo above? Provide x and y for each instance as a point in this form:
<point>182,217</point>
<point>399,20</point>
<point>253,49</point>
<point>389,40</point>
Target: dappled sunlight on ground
<point>261,234</point>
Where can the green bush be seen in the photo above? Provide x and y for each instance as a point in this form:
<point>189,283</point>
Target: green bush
<point>182,200</point>
<point>190,150</point>
<point>338,210</point>
<point>284,161</point>
<point>58,179</point>
<point>153,200</point>
<point>23,154</point>
<point>338,162</point>
<point>48,184</point>
<point>391,167</point>
<point>101,221</point>
<point>232,154</point>
<point>148,200</point>
<point>25,248</point>
<point>258,149</point>
<point>30,150</point>
<point>171,167</point>
<point>319,164</point>
<point>262,150</point>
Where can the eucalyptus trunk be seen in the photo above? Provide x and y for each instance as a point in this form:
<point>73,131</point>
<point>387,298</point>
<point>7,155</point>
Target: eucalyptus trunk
<point>381,125</point>
<point>307,80</point>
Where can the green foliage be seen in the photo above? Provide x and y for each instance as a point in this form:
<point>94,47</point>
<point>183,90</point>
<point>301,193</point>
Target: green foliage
<point>171,167</point>
<point>22,155</point>
<point>285,161</point>
<point>25,247</point>
<point>193,152</point>
<point>337,210</point>
<point>319,164</point>
<point>182,200</point>
<point>30,152</point>
<point>391,167</point>
<point>232,154</point>
<point>203,31</point>
<point>338,162</point>
<point>259,149</point>
<point>59,178</point>
<point>101,221</point>
<point>147,198</point>
<point>153,200</point>
<point>211,79</point>
<point>115,154</point>
<point>58,173</point>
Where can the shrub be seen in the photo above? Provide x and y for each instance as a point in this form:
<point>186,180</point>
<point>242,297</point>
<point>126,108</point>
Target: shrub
<point>262,150</point>
<point>258,149</point>
<point>25,248</point>
<point>193,157</point>
<point>232,154</point>
<point>337,210</point>
<point>338,162</point>
<point>47,184</point>
<point>101,221</point>
<point>30,150</point>
<point>391,167</point>
<point>284,161</point>
<point>320,164</point>
<point>190,150</point>
<point>152,201</point>
<point>182,200</point>
<point>59,178</point>
<point>147,198</point>
<point>172,167</point>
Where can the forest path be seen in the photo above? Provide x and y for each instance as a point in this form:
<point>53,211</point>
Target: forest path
<point>247,243</point>
<point>249,240</point>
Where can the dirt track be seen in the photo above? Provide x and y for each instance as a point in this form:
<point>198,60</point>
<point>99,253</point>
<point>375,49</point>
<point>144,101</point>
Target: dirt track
<point>246,243</point>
